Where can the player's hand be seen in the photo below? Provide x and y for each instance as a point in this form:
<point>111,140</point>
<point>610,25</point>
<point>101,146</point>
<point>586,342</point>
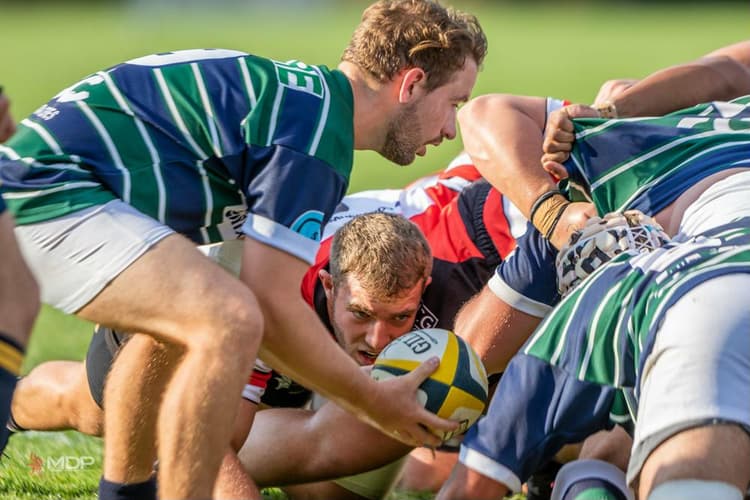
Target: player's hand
<point>394,409</point>
<point>7,125</point>
<point>573,218</point>
<point>559,137</point>
<point>613,88</point>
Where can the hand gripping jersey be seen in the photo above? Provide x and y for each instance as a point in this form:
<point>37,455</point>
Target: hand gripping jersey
<point>202,140</point>
<point>647,163</point>
<point>470,228</point>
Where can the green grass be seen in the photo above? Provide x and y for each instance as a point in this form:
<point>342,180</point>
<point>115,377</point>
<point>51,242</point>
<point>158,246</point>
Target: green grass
<point>538,49</point>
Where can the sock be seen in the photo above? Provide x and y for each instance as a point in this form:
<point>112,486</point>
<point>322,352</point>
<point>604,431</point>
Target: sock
<point>590,480</point>
<point>119,491</point>
<point>11,356</point>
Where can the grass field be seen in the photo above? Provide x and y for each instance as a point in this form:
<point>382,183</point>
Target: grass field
<point>538,49</point>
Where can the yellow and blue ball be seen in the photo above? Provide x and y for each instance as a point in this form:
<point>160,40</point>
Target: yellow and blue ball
<point>456,391</point>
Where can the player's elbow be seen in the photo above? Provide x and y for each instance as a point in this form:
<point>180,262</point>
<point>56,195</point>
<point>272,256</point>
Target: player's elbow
<point>731,76</point>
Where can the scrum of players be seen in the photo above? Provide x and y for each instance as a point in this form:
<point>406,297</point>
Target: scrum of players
<point>587,269</point>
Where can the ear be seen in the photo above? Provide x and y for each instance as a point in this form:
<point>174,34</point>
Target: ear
<point>411,80</point>
<point>327,281</point>
<point>427,281</point>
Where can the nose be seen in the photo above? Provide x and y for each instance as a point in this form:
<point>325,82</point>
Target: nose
<point>449,130</point>
<point>380,334</point>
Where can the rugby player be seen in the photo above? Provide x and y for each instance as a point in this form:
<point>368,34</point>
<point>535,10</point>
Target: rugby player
<point>115,180</point>
<point>19,294</point>
<point>469,228</point>
<point>685,168</point>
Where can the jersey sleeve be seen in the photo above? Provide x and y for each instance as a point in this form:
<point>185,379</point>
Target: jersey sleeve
<point>289,199</point>
<point>526,279</point>
<point>536,409</point>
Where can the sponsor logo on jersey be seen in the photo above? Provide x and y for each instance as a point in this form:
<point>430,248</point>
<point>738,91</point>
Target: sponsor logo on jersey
<point>309,224</point>
<point>425,318</point>
<point>297,75</point>
<point>233,218</point>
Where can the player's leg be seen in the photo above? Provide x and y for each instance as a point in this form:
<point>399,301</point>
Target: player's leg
<point>426,470</point>
<point>138,276</point>
<point>55,396</point>
<point>215,318</point>
<point>19,305</point>
<point>694,411</point>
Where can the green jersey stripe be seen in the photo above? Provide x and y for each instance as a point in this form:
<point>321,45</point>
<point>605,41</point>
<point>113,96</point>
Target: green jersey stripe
<point>153,153</point>
<point>208,195</point>
<point>111,148</point>
<point>44,135</point>
<point>601,311</point>
<point>172,106</point>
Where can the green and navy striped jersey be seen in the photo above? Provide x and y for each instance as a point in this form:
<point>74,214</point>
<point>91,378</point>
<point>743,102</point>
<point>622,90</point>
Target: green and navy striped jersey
<point>198,139</point>
<point>580,371</point>
<point>647,163</point>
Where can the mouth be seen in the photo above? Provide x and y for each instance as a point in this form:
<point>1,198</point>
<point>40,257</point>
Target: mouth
<point>366,358</point>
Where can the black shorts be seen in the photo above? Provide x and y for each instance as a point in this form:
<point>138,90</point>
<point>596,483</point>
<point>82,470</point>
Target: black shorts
<point>103,348</point>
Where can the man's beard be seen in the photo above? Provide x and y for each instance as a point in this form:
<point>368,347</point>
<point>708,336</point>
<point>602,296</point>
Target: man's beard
<point>402,139</point>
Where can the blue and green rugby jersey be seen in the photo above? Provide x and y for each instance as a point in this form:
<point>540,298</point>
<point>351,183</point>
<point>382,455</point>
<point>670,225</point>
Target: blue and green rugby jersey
<point>202,140</point>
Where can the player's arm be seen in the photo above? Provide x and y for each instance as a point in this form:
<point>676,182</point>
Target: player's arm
<point>296,343</point>
<point>494,328</point>
<point>303,446</point>
<point>7,125</point>
<point>503,134</point>
<point>720,75</point>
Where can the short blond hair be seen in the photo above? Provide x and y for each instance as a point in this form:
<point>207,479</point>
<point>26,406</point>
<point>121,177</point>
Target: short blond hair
<point>387,253</point>
<point>399,34</point>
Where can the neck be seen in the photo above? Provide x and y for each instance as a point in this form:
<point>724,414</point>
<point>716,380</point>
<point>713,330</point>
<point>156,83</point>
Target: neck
<point>371,107</point>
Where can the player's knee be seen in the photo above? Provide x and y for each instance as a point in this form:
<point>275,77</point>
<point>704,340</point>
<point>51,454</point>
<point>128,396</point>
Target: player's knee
<point>235,330</point>
<point>695,489</point>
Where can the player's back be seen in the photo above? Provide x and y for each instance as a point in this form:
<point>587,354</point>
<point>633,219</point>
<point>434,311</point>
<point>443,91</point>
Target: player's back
<point>179,135</point>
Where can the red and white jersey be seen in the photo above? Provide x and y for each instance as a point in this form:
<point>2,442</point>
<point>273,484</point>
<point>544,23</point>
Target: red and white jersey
<point>469,225</point>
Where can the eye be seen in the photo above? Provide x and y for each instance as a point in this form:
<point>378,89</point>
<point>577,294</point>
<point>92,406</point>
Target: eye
<point>360,315</point>
<point>402,317</point>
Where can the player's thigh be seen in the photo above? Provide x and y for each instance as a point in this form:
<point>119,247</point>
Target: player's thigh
<point>19,294</point>
<point>114,265</point>
<point>698,372</point>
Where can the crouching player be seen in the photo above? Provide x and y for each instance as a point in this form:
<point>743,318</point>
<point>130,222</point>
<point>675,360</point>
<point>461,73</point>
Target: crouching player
<point>373,289</point>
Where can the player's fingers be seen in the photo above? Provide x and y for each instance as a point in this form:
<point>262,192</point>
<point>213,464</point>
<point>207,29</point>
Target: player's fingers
<point>554,167</point>
<point>423,371</point>
<point>559,140</point>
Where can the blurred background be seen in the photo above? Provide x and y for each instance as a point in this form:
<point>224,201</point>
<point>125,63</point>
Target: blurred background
<point>560,49</point>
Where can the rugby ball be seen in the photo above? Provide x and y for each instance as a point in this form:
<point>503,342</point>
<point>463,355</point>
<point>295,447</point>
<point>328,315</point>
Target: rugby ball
<point>456,391</point>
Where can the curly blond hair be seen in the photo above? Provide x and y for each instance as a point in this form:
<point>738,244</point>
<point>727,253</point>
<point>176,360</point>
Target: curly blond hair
<point>399,34</point>
<point>387,253</point>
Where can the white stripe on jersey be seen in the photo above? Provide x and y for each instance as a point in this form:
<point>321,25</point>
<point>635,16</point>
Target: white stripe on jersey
<point>19,195</point>
<point>323,114</point>
<point>176,115</point>
<point>155,159</point>
<point>46,136</point>
<point>208,196</point>
<point>210,117</point>
<point>274,114</point>
<point>111,148</point>
<point>248,82</point>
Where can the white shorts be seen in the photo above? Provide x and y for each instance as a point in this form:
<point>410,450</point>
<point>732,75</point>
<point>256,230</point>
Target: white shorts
<point>75,256</point>
<point>723,202</point>
<point>698,372</point>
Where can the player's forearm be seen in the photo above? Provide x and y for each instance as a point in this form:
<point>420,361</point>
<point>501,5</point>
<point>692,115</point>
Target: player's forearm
<point>712,78</point>
<point>303,446</point>
<point>503,136</point>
